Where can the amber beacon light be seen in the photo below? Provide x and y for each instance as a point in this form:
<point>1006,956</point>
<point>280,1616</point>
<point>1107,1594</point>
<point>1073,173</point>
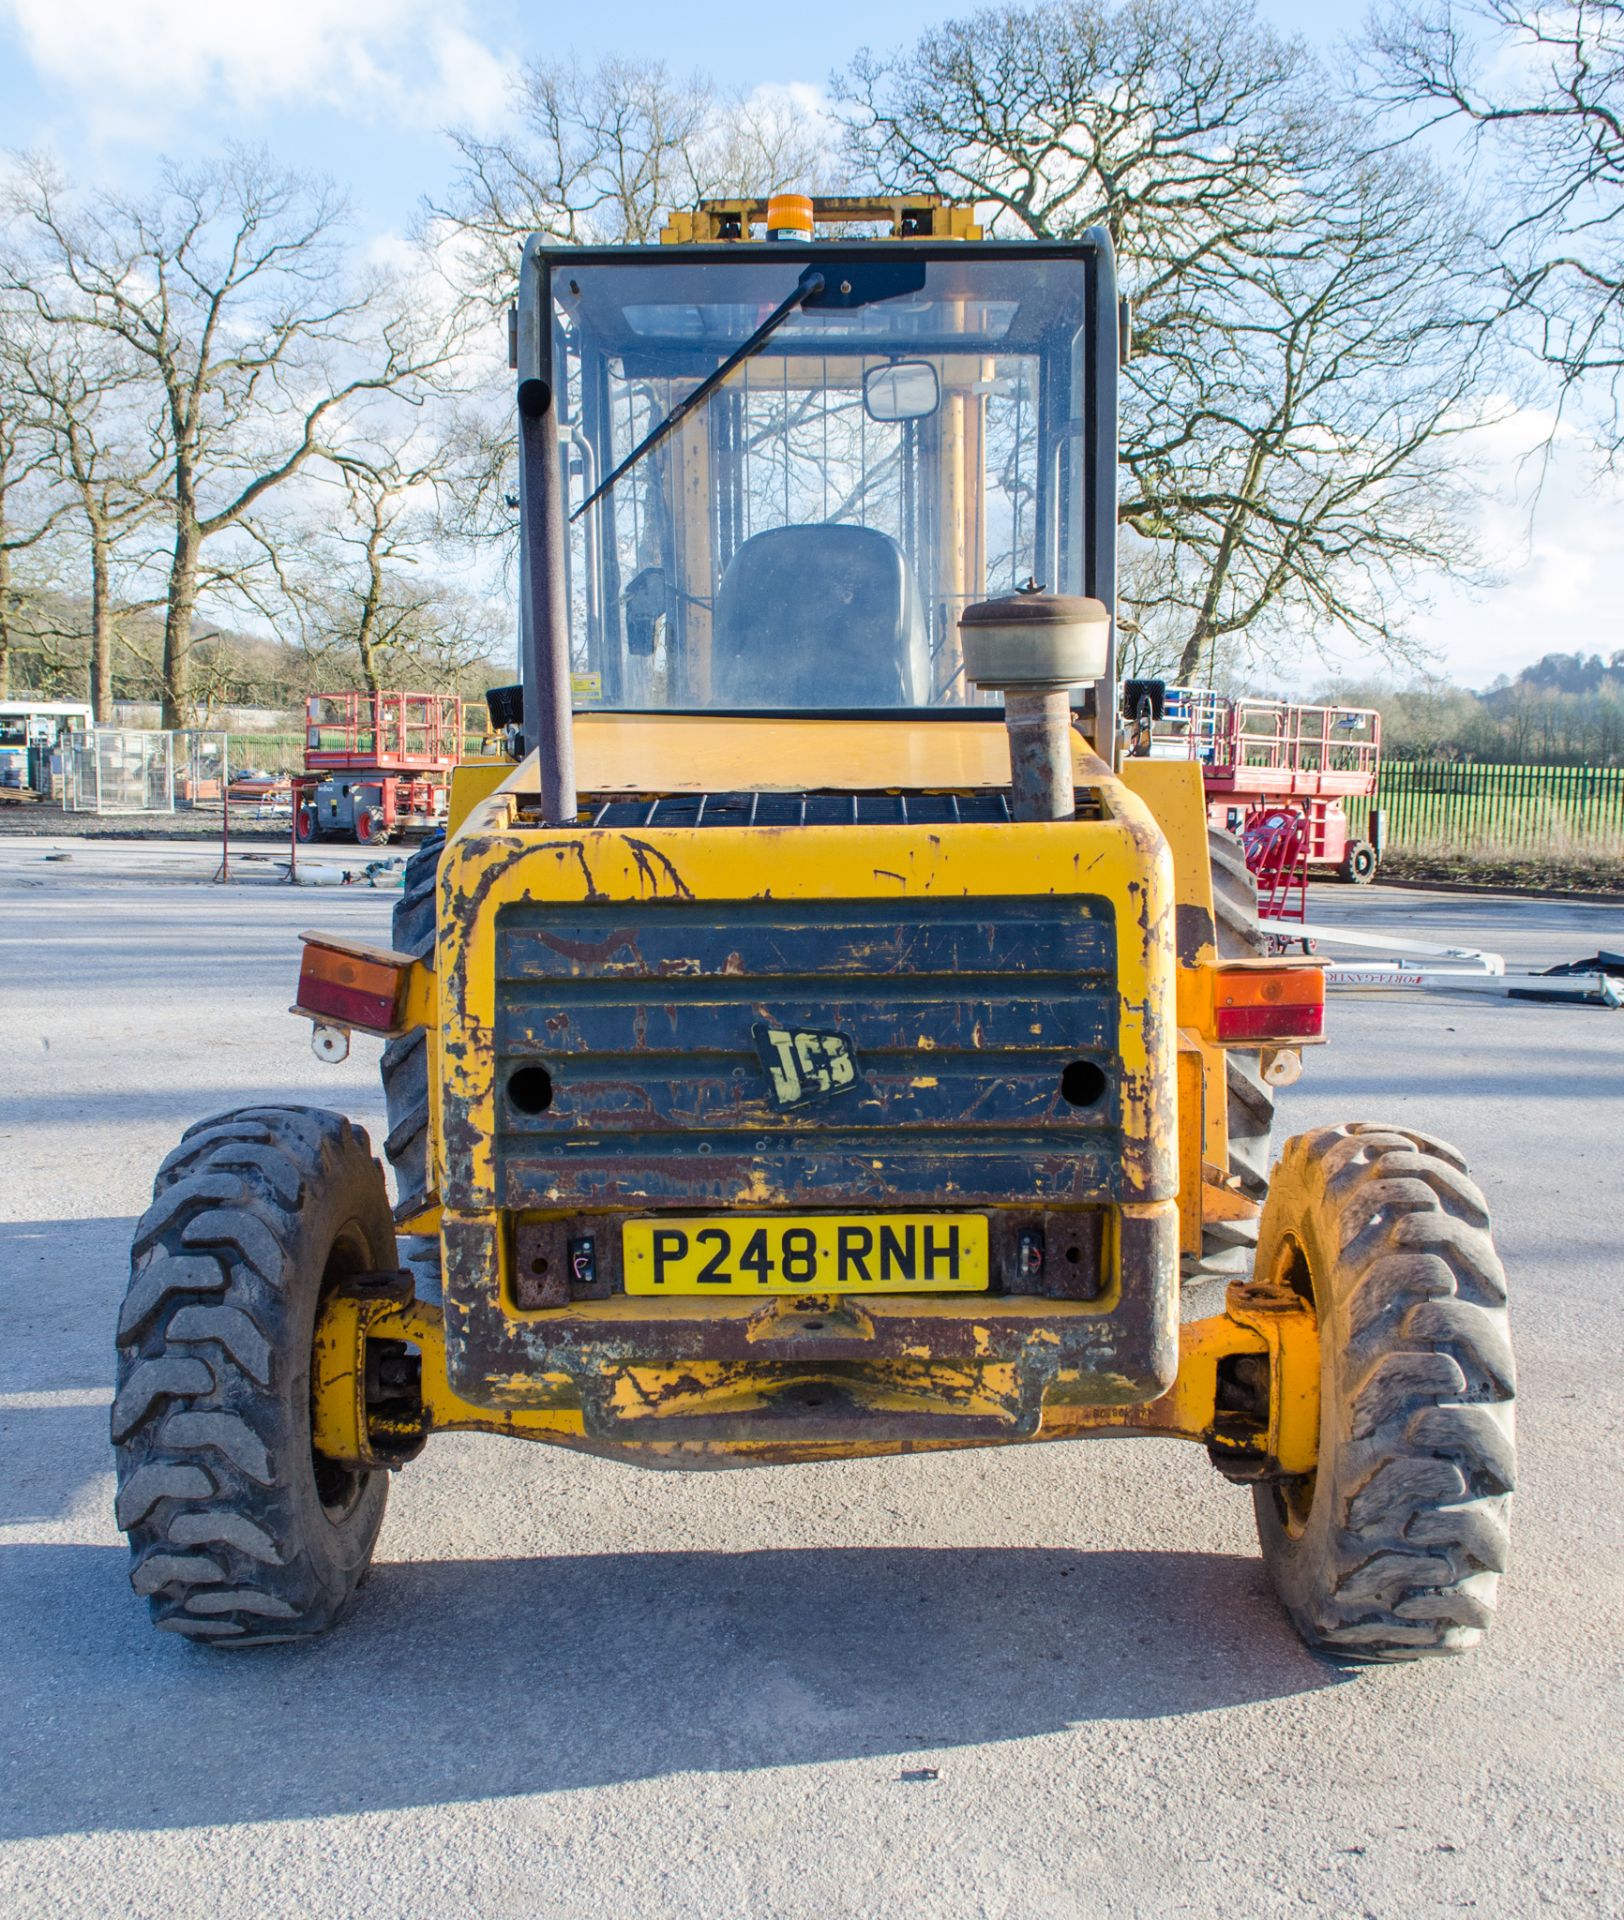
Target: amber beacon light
<point>789,217</point>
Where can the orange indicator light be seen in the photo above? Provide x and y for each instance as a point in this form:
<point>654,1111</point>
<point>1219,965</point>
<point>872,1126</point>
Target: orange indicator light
<point>355,989</point>
<point>1264,1003</point>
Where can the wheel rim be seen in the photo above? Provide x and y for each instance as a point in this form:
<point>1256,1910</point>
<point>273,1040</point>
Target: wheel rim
<point>1294,1497</point>
<point>338,1488</point>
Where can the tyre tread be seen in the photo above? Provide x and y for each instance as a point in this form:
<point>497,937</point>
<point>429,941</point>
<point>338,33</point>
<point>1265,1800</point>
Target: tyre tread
<point>1424,1462</point>
<point>204,1333</point>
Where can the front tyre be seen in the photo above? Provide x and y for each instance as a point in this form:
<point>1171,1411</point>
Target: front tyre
<point>239,1531</point>
<point>1394,1546</point>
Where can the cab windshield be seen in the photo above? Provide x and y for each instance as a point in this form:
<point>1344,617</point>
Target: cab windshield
<point>907,442</point>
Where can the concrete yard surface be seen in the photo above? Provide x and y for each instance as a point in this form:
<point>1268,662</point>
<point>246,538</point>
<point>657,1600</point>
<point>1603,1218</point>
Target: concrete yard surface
<point>1022,1682</point>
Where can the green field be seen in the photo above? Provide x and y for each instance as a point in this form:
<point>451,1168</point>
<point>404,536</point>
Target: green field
<point>1456,809</point>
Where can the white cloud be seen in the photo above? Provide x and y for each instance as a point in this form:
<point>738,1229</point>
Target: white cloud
<point>1549,527</point>
<point>1551,531</point>
<point>474,84</point>
<point>802,97</point>
<point>144,64</point>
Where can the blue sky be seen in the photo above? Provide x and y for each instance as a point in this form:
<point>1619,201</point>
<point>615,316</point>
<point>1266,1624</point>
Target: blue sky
<point>361,90</point>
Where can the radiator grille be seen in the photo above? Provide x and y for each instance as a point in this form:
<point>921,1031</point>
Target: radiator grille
<point>818,809</point>
<point>964,1016</point>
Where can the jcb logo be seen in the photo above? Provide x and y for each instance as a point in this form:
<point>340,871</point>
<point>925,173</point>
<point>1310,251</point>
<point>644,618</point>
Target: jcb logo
<point>803,1064</point>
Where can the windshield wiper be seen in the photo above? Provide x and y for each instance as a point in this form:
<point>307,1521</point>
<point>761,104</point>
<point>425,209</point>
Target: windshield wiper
<point>809,286</point>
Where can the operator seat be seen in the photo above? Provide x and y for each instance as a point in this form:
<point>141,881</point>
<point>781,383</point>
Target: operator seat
<point>819,616</point>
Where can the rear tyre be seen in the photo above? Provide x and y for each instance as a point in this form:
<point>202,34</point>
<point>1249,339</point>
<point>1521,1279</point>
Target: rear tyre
<point>1393,1548</point>
<point>404,1065</point>
<point>239,1531</point>
<point>1359,863</point>
<point>370,830</point>
<point>1227,1246</point>
<point>304,824</point>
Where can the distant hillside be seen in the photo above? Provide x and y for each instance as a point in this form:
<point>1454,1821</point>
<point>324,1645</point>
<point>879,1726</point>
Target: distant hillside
<point>1565,708</point>
<point>1586,676</point>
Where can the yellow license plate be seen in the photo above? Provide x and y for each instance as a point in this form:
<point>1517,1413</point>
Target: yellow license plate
<point>807,1253</point>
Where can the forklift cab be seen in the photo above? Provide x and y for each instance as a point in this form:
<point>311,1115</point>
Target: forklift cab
<point>910,438</point>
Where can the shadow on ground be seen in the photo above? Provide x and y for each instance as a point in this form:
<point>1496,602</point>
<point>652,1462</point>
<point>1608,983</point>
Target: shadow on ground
<point>470,1680</point>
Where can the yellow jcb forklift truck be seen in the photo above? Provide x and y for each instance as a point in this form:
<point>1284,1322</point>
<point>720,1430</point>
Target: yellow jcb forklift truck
<point>817,1038</point>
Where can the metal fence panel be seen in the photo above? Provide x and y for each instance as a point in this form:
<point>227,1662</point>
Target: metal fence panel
<point>1456,805</point>
<point>202,769</point>
<point>120,770</point>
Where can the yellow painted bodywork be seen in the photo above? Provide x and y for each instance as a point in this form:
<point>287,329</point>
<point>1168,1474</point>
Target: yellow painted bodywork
<point>1269,1324</point>
<point>1148,856</point>
<point>494,859</point>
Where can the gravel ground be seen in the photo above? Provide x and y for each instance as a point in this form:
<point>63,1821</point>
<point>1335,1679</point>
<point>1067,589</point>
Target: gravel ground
<point>1023,1682</point>
<point>47,819</point>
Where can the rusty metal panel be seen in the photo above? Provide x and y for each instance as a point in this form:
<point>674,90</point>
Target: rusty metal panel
<point>541,1263</point>
<point>1114,873</point>
<point>690,1017</point>
<point>983,1094</point>
<point>644,1170</point>
<point>706,1369</point>
<point>963,1019</point>
<point>1063,937</point>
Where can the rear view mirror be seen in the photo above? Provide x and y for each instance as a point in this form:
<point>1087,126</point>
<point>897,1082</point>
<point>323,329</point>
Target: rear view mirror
<point>905,390</point>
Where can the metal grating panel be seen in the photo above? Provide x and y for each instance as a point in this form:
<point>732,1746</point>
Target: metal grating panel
<point>819,809</point>
<point>963,1014</point>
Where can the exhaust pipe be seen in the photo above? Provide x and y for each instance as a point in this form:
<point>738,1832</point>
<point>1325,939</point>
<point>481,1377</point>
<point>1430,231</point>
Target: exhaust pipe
<point>544,640</point>
<point>1033,648</point>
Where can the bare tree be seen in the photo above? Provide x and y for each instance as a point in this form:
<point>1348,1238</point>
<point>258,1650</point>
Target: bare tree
<point>258,345</point>
<point>594,154</point>
<point>1307,319</point>
<point>374,602</point>
<point>1538,89</point>
<point>1296,455</point>
<point>28,514</point>
<point>371,591</point>
<point>604,153</point>
<point>78,385</point>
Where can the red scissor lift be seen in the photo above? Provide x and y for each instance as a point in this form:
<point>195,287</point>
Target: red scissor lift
<point>383,761</point>
<point>1281,777</point>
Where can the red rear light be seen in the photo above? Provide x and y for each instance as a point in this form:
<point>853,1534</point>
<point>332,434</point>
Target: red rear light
<point>1269,1003</point>
<point>354,987</point>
